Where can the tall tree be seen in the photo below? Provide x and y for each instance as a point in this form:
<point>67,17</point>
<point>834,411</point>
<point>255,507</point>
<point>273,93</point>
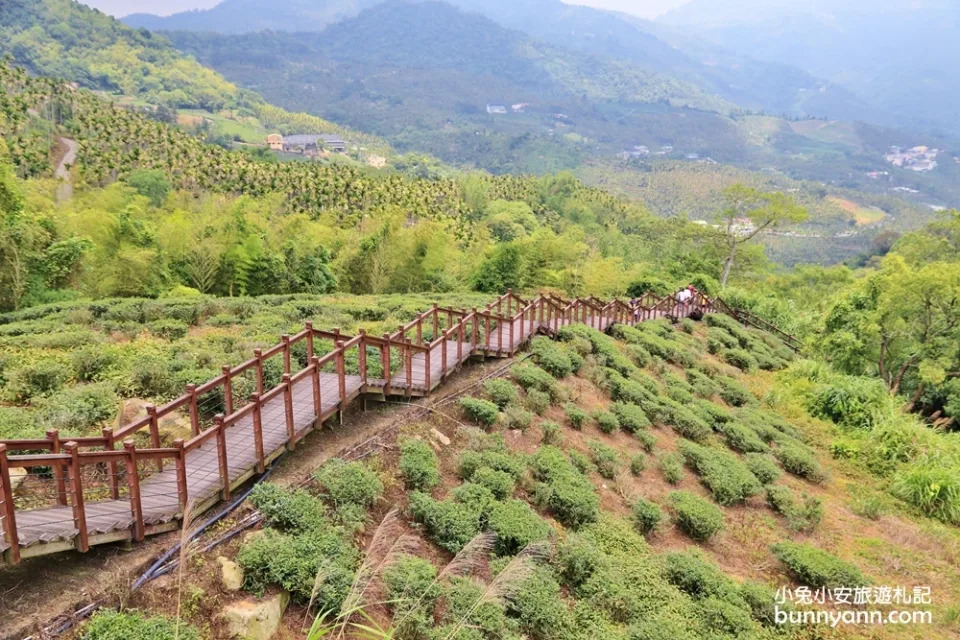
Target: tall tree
<point>747,213</point>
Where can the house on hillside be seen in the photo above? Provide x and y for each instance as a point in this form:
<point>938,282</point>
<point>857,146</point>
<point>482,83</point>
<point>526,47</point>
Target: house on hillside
<point>275,142</point>
<point>497,109</point>
<point>308,144</point>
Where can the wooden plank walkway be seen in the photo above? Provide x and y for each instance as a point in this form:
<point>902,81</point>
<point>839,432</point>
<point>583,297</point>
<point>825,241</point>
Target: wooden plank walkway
<point>215,461</point>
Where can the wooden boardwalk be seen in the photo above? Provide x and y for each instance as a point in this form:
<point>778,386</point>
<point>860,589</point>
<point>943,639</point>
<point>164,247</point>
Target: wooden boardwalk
<point>147,488</point>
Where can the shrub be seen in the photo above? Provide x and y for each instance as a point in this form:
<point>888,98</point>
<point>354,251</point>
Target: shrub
<point>537,401</point>
<point>763,467</point>
<point>500,483</point>
<point>562,488</point>
<point>409,579</point>
<point>291,510</point>
<point>169,329</point>
<point>725,617</point>
<point>801,517</point>
<point>701,384</point>
<point>77,409</point>
<point>470,461</point>
<point>551,432</point>
<point>683,420</point>
<point>464,605</point>
<point>516,418</point>
<point>762,602</point>
<point>89,362</point>
<point>551,357</point>
<point>606,459</point>
<point>540,608</point>
<point>799,460</point>
<point>646,515</point>
<point>733,392</point>
<point>690,572</point>
<point>854,402</point>
<point>18,423</point>
<point>34,380</point>
<point>418,465</point>
<point>640,356</point>
<point>932,487</point>
<point>480,411</point>
<point>450,524</point>
<point>477,498</point>
<point>107,624</point>
<point>727,478</point>
<point>646,440</point>
<point>687,325</point>
<point>630,416</point>
<point>695,516</point>
<point>743,439</point>
<point>606,421</point>
<point>580,461</point>
<point>671,465</point>
<point>349,483</point>
<point>577,559</point>
<point>502,392</point>
<point>817,568</point>
<point>292,562</point>
<point>577,416</point>
<point>516,526</point>
<point>638,464</point>
<point>530,376</point>
<point>739,358</point>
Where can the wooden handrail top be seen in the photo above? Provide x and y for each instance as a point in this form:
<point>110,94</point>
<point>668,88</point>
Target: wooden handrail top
<point>239,414</point>
<point>30,460</point>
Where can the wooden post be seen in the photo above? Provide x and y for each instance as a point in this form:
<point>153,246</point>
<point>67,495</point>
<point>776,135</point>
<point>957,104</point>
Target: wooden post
<point>362,357</point>
<point>401,332</point>
<point>194,410</point>
<point>459,343</point>
<point>341,375</point>
<point>426,369</point>
<point>76,491</point>
<point>499,331</point>
<point>509,299</point>
<point>443,357</point>
<point>420,331</point>
<point>288,411</point>
<point>309,327</point>
<point>181,464</point>
<point>315,387</point>
<point>436,322</point>
<point>258,430</point>
<point>9,513</point>
<point>408,361</point>
<point>112,465</point>
<point>475,335</point>
<point>133,483</point>
<point>533,316</point>
<point>285,339</point>
<point>227,389</point>
<point>154,432</point>
<point>511,336</point>
<point>222,455</point>
<point>54,436</point>
<point>258,355</point>
<point>385,363</point>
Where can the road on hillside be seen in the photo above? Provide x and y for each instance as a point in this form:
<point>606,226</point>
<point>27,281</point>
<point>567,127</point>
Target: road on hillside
<point>65,190</point>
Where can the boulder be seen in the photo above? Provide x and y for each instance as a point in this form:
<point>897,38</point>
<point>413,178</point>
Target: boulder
<point>231,575</point>
<point>172,425</point>
<point>17,476</point>
<point>440,437</point>
<point>256,618</point>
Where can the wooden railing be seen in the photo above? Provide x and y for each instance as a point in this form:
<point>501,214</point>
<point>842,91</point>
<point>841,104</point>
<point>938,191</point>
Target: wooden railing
<point>130,455</point>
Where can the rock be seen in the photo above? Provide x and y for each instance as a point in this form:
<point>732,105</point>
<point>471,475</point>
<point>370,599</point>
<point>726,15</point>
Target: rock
<point>256,619</point>
<point>231,575</point>
<point>252,535</point>
<point>439,437</point>
<point>516,434</point>
<point>17,476</point>
<point>172,425</point>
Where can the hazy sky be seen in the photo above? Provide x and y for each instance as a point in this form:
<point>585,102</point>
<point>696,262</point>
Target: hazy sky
<point>642,8</point>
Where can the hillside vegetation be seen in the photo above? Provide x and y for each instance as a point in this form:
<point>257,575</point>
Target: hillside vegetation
<point>612,486</point>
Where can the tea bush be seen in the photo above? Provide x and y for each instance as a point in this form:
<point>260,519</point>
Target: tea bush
<point>482,412</point>
<point>551,357</point>
<point>34,380</point>
<point>530,376</point>
<point>803,516</point>
<point>606,421</point>
<point>638,463</point>
<point>577,558</point>
<point>501,392</point>
<point>726,477</point>
<point>408,579</point>
<point>577,416</point>
<point>537,401</point>
<point>516,418</point>
<point>742,438</point>
<point>630,416</point>
<point>646,440</point>
<point>471,461</point>
<point>448,523</point>
<point>817,568</point>
<point>605,458</point>
<point>89,363</point>
<point>562,488</point>
<point>763,466</point>
<point>739,358</point>
<point>733,392</point>
<point>107,624</point>
<point>551,432</point>
<point>671,465</point>
<point>516,526</point>
<point>693,574</point>
<point>291,510</point>
<point>581,462</point>
<point>646,515</point>
<point>418,465</point>
<point>345,483</point>
<point>500,483</point>
<point>79,409</point>
<point>695,516</point>
<point>800,461</point>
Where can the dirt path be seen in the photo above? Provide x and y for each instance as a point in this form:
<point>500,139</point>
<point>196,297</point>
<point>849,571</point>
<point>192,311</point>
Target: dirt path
<point>62,173</point>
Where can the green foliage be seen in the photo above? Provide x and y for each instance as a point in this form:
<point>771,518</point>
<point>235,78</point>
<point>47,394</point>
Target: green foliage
<point>646,515</point>
<point>739,358</point>
<point>418,465</point>
<point>638,463</point>
<point>800,461</point>
<point>501,392</point>
<point>501,460</point>
<point>606,421</point>
<point>106,624</point>
<point>34,380</point>
<point>79,409</point>
<point>581,462</point>
<point>801,517</point>
<point>743,438</point>
<point>551,432</point>
<point>537,401</point>
<point>931,487</point>
<point>577,559</point>
<point>151,184</point>
<point>500,483</point>
<point>349,483</point>
<point>408,579</point>
<point>577,416</point>
<point>448,523</point>
<point>540,608</point>
<point>817,568</point>
<point>850,401</point>
<point>562,488</point>
<point>695,516</point>
<point>516,526</point>
<point>530,376</point>
<point>727,478</point>
<point>606,459</point>
<point>89,363</point>
<point>693,574</point>
<point>516,418</point>
<point>292,510</point>
<point>763,467</point>
<point>480,411</point>
<point>671,466</point>
<point>733,392</point>
<point>552,357</point>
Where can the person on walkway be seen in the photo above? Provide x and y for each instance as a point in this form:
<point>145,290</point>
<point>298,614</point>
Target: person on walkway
<point>685,295</point>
